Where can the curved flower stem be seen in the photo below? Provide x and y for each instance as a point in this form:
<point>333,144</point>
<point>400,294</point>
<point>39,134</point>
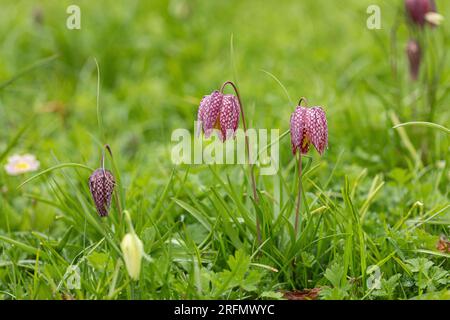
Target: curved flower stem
<point>299,196</point>
<point>247,146</point>
<point>116,194</point>
<point>105,147</point>
<point>301,100</point>
<point>103,161</point>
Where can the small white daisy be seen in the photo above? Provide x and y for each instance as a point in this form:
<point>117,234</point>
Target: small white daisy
<point>19,164</point>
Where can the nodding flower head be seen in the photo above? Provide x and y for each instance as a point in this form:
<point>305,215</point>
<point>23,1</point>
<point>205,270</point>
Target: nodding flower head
<point>219,111</point>
<point>101,185</point>
<point>309,125</point>
<point>414,57</point>
<point>418,9</point>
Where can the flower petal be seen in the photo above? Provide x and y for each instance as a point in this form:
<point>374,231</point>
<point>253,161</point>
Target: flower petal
<point>211,113</point>
<point>229,116</point>
<point>14,158</point>
<point>298,130</point>
<point>19,164</point>
<point>201,113</point>
<point>317,128</point>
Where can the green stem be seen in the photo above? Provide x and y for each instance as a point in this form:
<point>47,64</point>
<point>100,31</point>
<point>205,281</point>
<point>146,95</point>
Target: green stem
<point>299,195</point>
<point>247,146</point>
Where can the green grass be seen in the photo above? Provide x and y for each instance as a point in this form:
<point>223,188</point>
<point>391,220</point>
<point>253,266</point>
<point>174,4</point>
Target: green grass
<point>378,197</point>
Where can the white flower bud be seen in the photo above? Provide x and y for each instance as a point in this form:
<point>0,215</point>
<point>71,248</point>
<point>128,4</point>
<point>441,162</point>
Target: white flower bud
<point>434,18</point>
<point>132,249</point>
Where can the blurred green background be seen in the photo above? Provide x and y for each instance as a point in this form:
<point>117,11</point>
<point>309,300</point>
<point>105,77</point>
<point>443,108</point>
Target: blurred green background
<point>158,58</point>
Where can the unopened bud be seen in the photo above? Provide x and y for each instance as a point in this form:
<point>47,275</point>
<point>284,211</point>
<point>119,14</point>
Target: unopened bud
<point>132,249</point>
<point>415,57</point>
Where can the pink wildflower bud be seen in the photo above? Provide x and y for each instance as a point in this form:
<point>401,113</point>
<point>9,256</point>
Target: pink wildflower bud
<point>218,111</point>
<point>309,125</point>
<point>101,185</point>
<point>415,57</point>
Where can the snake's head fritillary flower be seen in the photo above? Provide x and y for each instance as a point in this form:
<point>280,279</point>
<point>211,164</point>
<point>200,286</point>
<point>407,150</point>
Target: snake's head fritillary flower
<point>418,9</point>
<point>101,185</point>
<point>414,57</point>
<point>309,126</point>
<point>19,164</point>
<point>132,250</point>
<point>218,111</point>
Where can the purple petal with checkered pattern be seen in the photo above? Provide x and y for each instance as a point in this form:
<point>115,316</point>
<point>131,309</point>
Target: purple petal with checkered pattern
<point>317,128</point>
<point>211,112</point>
<point>101,185</point>
<point>201,114</point>
<point>229,116</point>
<point>309,125</point>
<point>299,138</point>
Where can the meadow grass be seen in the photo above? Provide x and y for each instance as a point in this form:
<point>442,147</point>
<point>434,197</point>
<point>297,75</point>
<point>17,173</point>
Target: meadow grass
<point>377,200</point>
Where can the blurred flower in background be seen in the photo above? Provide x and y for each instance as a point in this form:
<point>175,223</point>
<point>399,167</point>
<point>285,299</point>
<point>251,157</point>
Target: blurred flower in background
<point>434,18</point>
<point>38,16</point>
<point>418,9</point>
<point>19,164</point>
<point>414,57</point>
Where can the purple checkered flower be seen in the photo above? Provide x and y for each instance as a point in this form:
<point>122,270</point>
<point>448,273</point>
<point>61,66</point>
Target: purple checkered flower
<point>218,111</point>
<point>101,185</point>
<point>418,9</point>
<point>309,125</point>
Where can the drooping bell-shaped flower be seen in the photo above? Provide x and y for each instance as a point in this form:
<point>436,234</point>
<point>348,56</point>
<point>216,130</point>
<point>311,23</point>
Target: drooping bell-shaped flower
<point>418,9</point>
<point>309,126</point>
<point>218,111</point>
<point>414,57</point>
<point>101,185</point>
